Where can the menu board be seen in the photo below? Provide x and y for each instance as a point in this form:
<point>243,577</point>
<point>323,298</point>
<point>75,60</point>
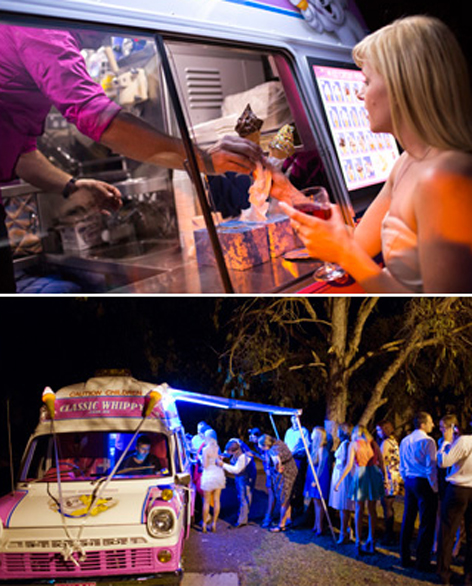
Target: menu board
<point>366,158</point>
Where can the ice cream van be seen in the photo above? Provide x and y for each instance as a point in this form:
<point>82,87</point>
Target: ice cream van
<point>190,68</point>
<point>104,495</point>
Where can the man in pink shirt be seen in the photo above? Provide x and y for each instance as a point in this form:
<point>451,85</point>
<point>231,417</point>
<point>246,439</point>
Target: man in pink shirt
<point>41,68</point>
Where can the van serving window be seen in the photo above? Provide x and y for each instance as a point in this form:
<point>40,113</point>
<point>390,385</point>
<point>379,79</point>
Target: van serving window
<point>177,231</point>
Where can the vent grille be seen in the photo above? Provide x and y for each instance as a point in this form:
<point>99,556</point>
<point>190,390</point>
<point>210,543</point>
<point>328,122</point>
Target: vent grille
<point>49,564</point>
<point>204,88</point>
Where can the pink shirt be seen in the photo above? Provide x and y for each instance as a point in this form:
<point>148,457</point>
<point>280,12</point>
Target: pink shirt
<point>40,68</point>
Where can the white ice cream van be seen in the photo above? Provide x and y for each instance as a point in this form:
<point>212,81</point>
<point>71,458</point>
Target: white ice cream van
<point>105,494</point>
<point>87,508</point>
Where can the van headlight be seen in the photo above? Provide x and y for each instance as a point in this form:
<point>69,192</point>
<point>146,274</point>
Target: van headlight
<point>160,522</point>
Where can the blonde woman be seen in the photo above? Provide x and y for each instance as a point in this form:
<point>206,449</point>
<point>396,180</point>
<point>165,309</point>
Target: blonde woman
<point>212,481</point>
<point>339,499</point>
<point>417,88</point>
<point>367,484</point>
<point>320,455</point>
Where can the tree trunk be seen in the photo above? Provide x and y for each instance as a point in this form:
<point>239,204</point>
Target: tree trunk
<point>336,400</point>
<point>377,400</point>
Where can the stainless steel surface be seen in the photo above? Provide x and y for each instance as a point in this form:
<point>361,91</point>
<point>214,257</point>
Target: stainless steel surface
<point>166,271</point>
<point>133,250</point>
<point>17,189</point>
<point>141,185</point>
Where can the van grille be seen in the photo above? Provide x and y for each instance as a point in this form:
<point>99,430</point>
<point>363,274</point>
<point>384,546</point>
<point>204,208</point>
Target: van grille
<point>204,88</point>
<point>53,564</point>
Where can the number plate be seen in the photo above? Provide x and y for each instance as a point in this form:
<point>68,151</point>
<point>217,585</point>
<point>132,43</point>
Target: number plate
<point>75,584</point>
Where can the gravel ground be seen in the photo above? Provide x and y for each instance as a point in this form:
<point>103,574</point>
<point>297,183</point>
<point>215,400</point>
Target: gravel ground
<point>293,558</point>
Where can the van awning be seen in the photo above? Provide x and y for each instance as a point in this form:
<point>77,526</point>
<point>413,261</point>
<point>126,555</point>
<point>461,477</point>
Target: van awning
<point>227,403</point>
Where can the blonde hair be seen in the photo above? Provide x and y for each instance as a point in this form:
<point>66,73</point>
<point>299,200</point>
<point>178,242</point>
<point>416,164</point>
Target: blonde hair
<point>427,79</point>
<point>318,439</point>
<point>266,441</point>
<point>361,432</point>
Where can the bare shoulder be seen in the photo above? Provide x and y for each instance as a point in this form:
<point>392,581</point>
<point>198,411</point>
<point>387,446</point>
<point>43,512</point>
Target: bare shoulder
<point>449,164</point>
<point>449,176</point>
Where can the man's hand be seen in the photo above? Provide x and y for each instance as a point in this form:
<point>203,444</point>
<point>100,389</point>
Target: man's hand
<point>448,434</point>
<point>36,169</point>
<point>233,153</point>
<point>105,196</point>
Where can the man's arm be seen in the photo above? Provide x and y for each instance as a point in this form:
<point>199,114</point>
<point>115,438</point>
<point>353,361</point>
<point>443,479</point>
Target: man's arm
<point>450,453</point>
<point>35,168</point>
<point>238,467</point>
<point>136,139</point>
<point>431,464</point>
<point>402,467</point>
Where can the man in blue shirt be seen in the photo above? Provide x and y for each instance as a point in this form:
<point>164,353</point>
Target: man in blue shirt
<point>418,468</point>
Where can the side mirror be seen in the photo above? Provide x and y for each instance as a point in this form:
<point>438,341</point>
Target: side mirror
<point>183,478</point>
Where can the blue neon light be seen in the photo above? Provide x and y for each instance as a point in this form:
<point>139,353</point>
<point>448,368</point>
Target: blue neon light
<point>266,7</point>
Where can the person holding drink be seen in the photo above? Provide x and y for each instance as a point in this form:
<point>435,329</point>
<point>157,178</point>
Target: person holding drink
<point>416,88</point>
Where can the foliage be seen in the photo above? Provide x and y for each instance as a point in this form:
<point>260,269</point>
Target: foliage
<point>352,352</point>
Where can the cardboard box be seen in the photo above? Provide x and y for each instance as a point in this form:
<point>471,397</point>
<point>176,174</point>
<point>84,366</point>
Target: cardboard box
<point>81,235</point>
<point>280,235</point>
<point>244,245</point>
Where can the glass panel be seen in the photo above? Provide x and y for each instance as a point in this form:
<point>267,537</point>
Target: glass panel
<point>66,92</point>
<point>91,455</point>
<point>216,84</point>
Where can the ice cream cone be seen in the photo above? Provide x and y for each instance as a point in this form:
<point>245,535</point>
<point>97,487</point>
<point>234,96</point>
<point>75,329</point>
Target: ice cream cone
<point>277,154</point>
<point>254,137</point>
<point>281,146</point>
<point>248,125</point>
<point>152,398</point>
<point>49,399</point>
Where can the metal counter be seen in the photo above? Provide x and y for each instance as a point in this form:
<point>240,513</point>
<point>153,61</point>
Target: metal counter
<point>167,272</point>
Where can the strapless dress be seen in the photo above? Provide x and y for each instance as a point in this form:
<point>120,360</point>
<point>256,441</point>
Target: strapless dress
<point>400,253</point>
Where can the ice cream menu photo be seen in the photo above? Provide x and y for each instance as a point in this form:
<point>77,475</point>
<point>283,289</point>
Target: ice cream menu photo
<point>366,158</point>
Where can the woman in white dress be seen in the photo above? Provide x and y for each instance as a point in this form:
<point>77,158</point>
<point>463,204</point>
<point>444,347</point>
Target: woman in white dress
<point>416,88</point>
<point>339,499</point>
<point>212,480</point>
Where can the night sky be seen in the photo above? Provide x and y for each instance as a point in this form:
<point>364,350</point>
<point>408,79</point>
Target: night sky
<point>455,13</point>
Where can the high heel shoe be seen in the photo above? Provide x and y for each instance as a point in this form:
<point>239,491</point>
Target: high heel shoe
<point>343,539</point>
<point>213,528</point>
<point>204,528</point>
<point>369,547</point>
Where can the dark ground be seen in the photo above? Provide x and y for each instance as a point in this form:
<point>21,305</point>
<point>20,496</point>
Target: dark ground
<point>293,558</point>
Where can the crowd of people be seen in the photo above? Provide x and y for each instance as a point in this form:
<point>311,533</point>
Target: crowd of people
<point>348,473</point>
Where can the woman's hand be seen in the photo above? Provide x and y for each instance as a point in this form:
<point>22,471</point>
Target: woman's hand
<point>336,488</point>
<point>105,196</point>
<point>326,240</point>
<point>282,189</point>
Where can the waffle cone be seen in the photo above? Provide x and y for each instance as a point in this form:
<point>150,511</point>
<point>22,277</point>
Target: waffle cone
<point>254,137</point>
<point>277,154</point>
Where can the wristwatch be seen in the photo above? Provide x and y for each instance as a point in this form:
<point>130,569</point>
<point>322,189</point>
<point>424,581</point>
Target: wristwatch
<point>69,188</point>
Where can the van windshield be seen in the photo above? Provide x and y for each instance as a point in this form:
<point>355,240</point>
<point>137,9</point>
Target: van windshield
<point>90,455</point>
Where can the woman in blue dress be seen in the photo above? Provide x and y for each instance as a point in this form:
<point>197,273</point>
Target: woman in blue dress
<point>321,456</point>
